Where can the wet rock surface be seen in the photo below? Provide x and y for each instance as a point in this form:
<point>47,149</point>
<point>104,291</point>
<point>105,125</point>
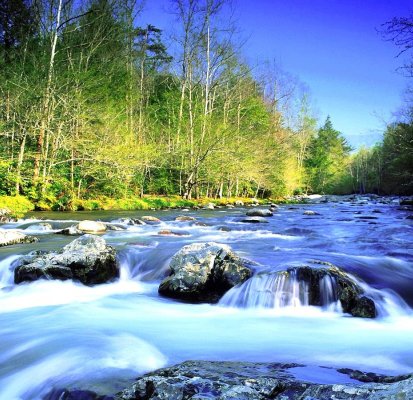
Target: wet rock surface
<point>10,237</point>
<point>87,259</point>
<point>254,220</point>
<point>258,212</point>
<point>256,381</point>
<point>203,272</point>
<point>346,290</point>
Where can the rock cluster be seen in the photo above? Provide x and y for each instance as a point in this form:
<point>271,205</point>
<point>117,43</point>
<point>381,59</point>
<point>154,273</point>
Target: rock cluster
<point>254,381</point>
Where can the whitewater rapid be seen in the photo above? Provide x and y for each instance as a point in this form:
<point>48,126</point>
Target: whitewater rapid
<point>57,334</point>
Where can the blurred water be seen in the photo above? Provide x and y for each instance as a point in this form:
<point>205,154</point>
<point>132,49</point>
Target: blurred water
<point>63,334</point>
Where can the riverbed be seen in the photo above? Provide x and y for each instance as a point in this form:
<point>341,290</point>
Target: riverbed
<point>56,334</point>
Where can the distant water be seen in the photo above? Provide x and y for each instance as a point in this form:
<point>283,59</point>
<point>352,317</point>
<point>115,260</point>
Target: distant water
<point>63,334</point>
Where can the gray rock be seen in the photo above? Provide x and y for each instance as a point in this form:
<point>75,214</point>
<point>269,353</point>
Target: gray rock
<point>310,212</point>
<point>87,259</point>
<point>239,203</point>
<point>149,219</point>
<point>253,381</point>
<point>9,237</point>
<point>209,206</point>
<point>70,231</point>
<point>128,221</point>
<point>5,216</point>
<point>203,272</point>
<point>91,226</point>
<point>258,212</point>
<point>185,218</point>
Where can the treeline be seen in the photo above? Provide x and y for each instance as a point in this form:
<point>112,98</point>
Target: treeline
<point>92,104</point>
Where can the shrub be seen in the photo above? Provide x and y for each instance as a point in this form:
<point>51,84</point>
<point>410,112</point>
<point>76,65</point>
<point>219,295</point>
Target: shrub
<point>18,205</point>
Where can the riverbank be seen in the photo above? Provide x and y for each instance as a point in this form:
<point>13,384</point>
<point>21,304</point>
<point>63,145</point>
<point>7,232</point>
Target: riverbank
<point>18,206</point>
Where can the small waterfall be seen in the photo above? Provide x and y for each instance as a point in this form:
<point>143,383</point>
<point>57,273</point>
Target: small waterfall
<point>328,294</point>
<point>6,271</point>
<point>269,291</point>
<point>293,288</point>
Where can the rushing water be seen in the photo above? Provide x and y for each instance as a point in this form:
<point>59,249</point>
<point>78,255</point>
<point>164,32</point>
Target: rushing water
<point>64,334</point>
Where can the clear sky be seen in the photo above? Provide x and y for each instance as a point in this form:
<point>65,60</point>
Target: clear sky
<point>332,46</point>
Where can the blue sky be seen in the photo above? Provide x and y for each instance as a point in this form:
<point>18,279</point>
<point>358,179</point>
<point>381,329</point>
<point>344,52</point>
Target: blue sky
<point>330,45</point>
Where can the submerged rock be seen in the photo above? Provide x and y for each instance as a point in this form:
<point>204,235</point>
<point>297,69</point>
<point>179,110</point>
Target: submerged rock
<point>257,212</point>
<point>128,221</point>
<point>65,394</point>
<point>87,259</point>
<point>185,218</point>
<point>41,226</point>
<point>151,219</point>
<point>91,226</point>
<point>70,231</point>
<point>254,220</point>
<point>253,381</point>
<point>167,232</point>
<point>310,212</point>
<point>9,237</point>
<point>203,272</point>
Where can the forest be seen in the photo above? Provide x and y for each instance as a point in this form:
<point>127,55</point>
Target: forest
<point>93,105</point>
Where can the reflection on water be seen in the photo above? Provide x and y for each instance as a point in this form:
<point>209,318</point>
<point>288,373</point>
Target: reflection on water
<point>59,334</point>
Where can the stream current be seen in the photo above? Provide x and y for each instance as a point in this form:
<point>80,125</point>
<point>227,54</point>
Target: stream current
<point>56,334</point>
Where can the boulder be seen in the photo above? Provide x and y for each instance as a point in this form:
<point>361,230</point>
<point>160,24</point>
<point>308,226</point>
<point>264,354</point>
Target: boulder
<point>87,259</point>
<point>91,227</point>
<point>185,218</point>
<point>151,219</point>
<point>258,212</point>
<point>9,237</point>
<point>209,206</point>
<point>203,272</point>
<point>346,290</point>
<point>254,220</point>
<point>256,381</point>
<point>5,216</point>
<point>239,203</point>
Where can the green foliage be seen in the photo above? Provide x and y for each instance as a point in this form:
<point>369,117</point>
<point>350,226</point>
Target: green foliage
<point>18,205</point>
<point>327,160</point>
<point>397,154</point>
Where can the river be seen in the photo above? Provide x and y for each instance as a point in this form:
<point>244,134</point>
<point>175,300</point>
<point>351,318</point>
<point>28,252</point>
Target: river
<point>56,334</point>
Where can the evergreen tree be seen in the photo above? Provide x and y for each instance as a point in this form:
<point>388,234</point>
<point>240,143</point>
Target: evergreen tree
<point>326,160</point>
